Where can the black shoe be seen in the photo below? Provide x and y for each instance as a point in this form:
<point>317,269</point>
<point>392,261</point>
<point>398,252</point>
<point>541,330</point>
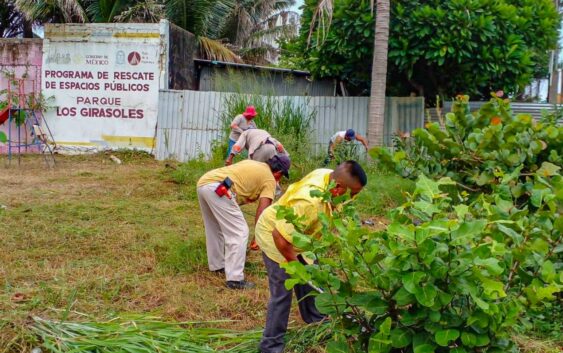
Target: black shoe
<point>220,271</point>
<point>240,285</point>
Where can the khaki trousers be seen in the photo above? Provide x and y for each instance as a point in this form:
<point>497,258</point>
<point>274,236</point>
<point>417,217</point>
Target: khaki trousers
<point>264,153</point>
<point>226,232</point>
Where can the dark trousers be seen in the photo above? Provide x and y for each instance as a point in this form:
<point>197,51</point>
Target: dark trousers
<point>279,307</point>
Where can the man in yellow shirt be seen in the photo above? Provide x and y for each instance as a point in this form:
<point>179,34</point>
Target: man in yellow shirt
<point>275,239</point>
<point>220,192</point>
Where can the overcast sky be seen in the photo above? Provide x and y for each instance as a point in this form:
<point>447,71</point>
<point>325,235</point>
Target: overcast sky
<point>297,4</point>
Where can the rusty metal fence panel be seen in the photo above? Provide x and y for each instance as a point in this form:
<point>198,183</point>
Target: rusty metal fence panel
<point>189,121</point>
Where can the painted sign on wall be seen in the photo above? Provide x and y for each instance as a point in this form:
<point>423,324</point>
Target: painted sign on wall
<point>102,82</point>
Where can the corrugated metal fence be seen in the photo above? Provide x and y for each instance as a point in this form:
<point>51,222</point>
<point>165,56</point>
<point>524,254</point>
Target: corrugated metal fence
<point>189,121</point>
<point>534,109</point>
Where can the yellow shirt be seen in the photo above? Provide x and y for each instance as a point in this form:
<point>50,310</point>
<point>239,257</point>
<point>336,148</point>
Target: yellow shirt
<point>297,197</point>
<point>251,180</point>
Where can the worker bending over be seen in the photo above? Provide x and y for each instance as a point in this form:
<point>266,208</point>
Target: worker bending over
<point>260,144</point>
<point>343,136</point>
<point>220,192</point>
<point>274,237</point>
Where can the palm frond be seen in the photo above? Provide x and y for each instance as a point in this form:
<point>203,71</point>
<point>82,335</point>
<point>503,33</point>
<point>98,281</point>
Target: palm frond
<point>105,10</point>
<point>323,15</point>
<point>12,21</point>
<point>71,10</point>
<point>201,17</point>
<point>272,34</point>
<point>147,11</point>
<point>212,49</point>
<point>53,11</point>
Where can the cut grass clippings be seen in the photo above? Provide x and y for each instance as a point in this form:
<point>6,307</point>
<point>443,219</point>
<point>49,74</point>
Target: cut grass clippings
<point>151,334</point>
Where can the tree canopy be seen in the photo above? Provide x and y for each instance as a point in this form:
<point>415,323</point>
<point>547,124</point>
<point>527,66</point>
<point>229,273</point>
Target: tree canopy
<point>227,29</point>
<point>435,46</point>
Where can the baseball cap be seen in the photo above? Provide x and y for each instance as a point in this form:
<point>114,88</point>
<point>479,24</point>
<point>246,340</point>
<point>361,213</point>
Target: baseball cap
<point>351,134</point>
<point>281,162</point>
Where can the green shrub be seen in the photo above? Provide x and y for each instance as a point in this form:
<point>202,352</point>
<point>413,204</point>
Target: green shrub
<point>474,251</point>
<point>478,149</point>
<point>447,275</point>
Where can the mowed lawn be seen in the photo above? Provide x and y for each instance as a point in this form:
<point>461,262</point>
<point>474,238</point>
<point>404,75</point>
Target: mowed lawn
<point>102,239</point>
<point>91,237</point>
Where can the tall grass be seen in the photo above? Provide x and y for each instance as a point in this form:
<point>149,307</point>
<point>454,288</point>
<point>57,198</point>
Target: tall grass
<point>289,121</point>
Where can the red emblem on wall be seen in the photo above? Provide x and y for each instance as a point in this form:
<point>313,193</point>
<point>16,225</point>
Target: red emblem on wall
<point>134,58</point>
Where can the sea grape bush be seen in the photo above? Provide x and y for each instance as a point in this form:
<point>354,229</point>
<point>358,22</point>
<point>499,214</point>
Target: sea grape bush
<point>476,247</point>
<point>447,275</point>
<point>477,149</point>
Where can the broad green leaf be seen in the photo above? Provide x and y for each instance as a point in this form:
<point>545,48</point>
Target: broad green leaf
<point>426,207</point>
<point>402,231</point>
<point>491,265</point>
<point>515,236</point>
<point>540,246</point>
<point>482,340</point>
<point>3,138</point>
<point>385,327</point>
<point>362,299</point>
<point>548,271</point>
<point>445,298</point>
<point>412,280</point>
<point>301,241</point>
<point>400,338</point>
<point>290,283</point>
<point>479,319</point>
<point>493,289</point>
<point>467,231</point>
<point>379,345</point>
<point>443,337</point>
<point>537,292</point>
<point>469,339</point>
<point>409,319</point>
<point>548,169</point>
<point>538,196</point>
<point>424,348</point>
<point>435,316</point>
<point>329,304</point>
<point>504,205</point>
<point>427,187</point>
<point>377,306</point>
<point>461,211</point>
<point>403,297</point>
<point>425,295</point>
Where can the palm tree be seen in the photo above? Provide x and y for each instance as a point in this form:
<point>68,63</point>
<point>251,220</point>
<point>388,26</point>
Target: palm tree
<point>106,10</point>
<point>57,11</point>
<point>221,26</point>
<point>376,118</point>
<point>13,22</point>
